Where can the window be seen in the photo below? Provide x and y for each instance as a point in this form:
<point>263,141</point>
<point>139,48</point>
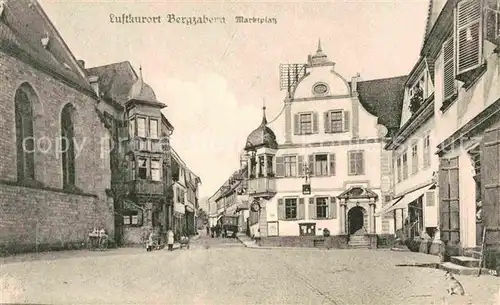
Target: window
<point>153,129</point>
<point>417,94</point>
<point>131,127</point>
<point>131,218</point>
<point>290,208</point>
<point>399,169</point>
<point>414,159</point>
<point>155,170</point>
<point>132,170</point>
<point>336,121</point>
<point>322,207</point>
<point>68,146</point>
<point>356,163</point>
<point>143,168</point>
<point>405,165</point>
<point>290,166</point>
<point>427,151</point>
<point>305,123</point>
<point>24,135</point>
<point>321,165</point>
<point>141,127</point>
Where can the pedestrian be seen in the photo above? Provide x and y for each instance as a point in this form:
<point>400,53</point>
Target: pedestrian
<point>149,242</point>
<point>208,230</point>
<point>170,240</point>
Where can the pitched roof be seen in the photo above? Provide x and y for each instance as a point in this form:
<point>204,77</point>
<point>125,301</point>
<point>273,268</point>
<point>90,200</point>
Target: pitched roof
<point>384,99</point>
<point>115,80</point>
<point>24,26</point>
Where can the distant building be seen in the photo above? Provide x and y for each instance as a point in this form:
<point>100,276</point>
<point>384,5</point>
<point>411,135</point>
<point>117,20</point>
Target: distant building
<point>185,197</point>
<point>330,170</point>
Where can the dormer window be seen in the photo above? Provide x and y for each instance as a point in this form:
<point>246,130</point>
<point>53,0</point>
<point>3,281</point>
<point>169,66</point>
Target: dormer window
<point>94,84</point>
<point>417,94</point>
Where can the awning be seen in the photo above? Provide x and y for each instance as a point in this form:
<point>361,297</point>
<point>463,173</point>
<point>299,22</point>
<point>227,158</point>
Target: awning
<point>409,198</point>
<point>384,209</point>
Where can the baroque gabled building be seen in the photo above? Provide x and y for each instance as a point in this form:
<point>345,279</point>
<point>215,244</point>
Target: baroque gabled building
<point>329,169</point>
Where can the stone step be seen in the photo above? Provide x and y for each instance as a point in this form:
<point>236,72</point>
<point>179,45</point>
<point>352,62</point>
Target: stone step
<point>474,253</point>
<point>458,269</point>
<point>465,261</point>
<point>359,246</point>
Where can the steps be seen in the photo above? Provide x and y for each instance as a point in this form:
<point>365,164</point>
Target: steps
<point>359,242</point>
<point>468,264</point>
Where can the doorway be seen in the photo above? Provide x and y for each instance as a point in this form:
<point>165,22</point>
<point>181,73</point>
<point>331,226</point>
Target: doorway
<point>355,218</point>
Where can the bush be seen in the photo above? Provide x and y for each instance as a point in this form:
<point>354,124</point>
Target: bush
<point>413,245</point>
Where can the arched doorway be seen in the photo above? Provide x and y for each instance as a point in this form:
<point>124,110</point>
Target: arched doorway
<point>355,218</point>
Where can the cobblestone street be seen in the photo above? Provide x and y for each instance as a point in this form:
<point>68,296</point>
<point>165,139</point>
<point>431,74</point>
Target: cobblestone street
<point>223,271</point>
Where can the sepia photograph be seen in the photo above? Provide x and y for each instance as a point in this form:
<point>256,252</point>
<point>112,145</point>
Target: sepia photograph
<point>220,152</point>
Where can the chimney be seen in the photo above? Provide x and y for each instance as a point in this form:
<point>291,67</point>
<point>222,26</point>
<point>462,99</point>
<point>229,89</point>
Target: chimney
<point>354,84</point>
<point>81,63</point>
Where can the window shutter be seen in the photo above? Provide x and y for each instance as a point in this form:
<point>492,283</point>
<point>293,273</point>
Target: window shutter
<point>314,122</point>
<point>449,68</point>
<point>333,208</point>
<point>281,209</point>
<point>280,167</point>
<point>327,122</point>
<point>346,122</point>
<point>311,165</point>
<point>429,199</point>
<point>490,185</point>
<point>301,209</point>
<point>469,35</point>
<point>449,203</point>
<point>332,164</point>
<point>300,165</point>
<point>296,124</point>
<point>312,208</point>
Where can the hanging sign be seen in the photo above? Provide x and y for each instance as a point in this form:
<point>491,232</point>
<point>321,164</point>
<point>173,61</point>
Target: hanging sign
<point>306,189</point>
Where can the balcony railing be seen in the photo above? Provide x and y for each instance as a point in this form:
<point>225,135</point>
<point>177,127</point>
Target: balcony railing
<point>263,185</point>
<point>146,187</point>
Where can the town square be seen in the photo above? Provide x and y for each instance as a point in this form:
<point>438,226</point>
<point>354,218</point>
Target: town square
<point>252,153</point>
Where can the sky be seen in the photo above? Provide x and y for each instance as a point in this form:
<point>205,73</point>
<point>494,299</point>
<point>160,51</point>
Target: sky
<point>214,78</point>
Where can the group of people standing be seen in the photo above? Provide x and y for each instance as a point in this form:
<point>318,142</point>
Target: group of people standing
<point>153,241</point>
<point>216,231</point>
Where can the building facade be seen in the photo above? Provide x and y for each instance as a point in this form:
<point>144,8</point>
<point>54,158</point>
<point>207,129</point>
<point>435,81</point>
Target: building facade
<point>465,55</point>
<point>53,187</point>
<point>330,170</point>
<point>414,209</point>
<point>233,199</point>
<point>185,192</point>
<point>139,151</point>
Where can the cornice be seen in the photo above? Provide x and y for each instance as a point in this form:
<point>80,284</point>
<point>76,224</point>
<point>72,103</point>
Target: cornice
<point>331,143</point>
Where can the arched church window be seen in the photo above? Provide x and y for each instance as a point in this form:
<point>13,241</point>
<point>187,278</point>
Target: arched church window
<point>24,134</point>
<point>68,146</point>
